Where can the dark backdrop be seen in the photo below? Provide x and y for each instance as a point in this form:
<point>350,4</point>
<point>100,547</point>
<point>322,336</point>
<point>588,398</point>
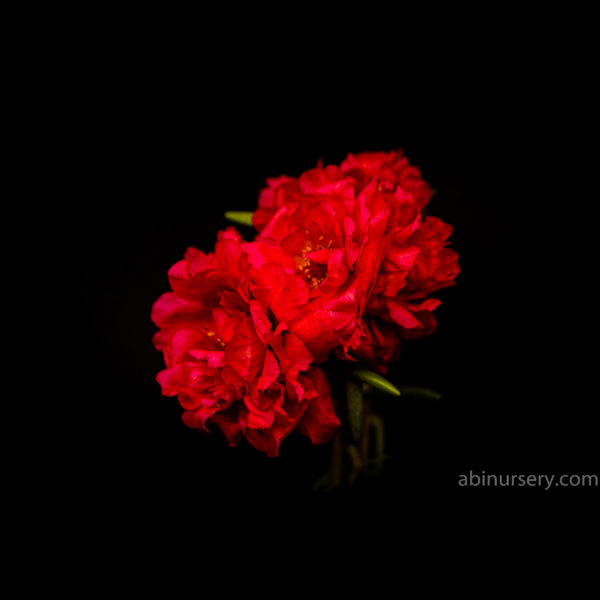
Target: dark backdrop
<point>165,150</point>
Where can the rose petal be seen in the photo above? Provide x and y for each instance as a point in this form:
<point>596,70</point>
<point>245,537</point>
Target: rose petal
<point>319,422</point>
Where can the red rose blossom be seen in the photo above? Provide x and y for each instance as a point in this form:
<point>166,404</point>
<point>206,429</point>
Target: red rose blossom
<point>417,264</point>
<point>368,207</point>
<point>332,239</point>
<point>229,360</point>
<point>345,261</point>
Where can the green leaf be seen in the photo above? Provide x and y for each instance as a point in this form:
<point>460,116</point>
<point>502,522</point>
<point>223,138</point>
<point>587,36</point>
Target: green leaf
<point>418,392</point>
<point>375,380</point>
<point>355,408</point>
<point>242,217</point>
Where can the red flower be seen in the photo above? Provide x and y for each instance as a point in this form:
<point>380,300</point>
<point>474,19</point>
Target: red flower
<point>357,235</point>
<point>417,264</point>
<point>344,261</point>
<point>229,361</point>
<point>330,241</point>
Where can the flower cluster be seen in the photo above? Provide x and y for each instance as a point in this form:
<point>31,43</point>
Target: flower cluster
<point>344,262</point>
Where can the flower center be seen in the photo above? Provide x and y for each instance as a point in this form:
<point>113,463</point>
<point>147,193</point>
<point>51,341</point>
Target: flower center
<point>314,273</point>
<point>217,339</point>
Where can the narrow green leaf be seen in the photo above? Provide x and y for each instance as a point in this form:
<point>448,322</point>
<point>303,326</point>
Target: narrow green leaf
<point>375,380</point>
<point>243,217</point>
<point>355,408</point>
<point>418,392</point>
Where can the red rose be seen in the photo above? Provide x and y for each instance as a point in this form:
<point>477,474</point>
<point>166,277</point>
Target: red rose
<point>344,261</point>
<point>357,235</point>
<point>416,264</point>
<point>229,361</point>
<point>332,239</point>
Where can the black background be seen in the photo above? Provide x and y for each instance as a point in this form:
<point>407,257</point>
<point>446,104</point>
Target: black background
<point>162,144</point>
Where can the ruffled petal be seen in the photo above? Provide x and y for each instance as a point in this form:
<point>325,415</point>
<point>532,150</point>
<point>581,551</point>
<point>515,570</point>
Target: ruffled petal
<point>227,421</point>
<point>170,309</point>
<point>245,352</point>
<point>270,371</point>
<point>320,421</point>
